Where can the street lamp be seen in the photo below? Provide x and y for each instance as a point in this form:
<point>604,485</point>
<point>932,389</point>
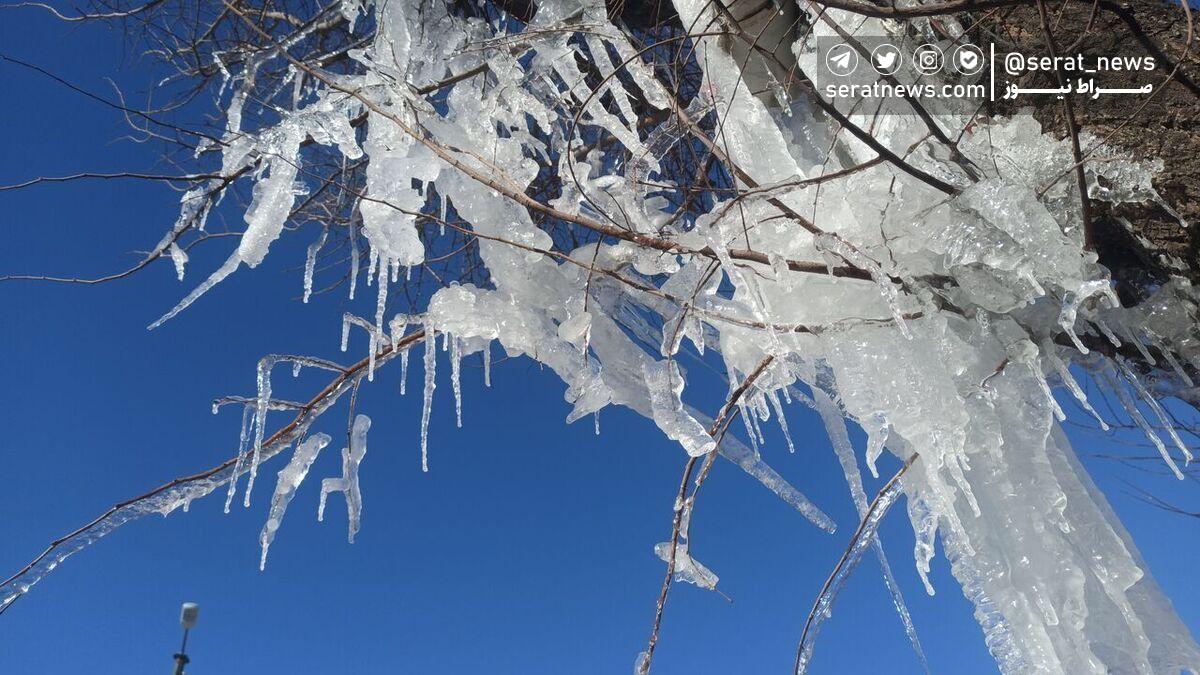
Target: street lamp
<point>187,618</point>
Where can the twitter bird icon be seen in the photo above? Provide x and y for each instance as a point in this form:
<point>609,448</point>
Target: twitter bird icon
<point>885,59</point>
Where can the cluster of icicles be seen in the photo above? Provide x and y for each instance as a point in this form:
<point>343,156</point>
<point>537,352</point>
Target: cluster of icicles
<point>251,453</point>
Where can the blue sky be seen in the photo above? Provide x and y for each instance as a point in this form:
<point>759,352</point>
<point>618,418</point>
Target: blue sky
<point>526,549</point>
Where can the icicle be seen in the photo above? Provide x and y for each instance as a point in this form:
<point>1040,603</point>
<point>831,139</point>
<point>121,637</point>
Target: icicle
<point>758,403</point>
<point>1068,313</point>
<point>596,420</point>
<point>783,426</point>
<point>310,263</point>
<point>243,446</point>
<point>265,217</point>
<point>877,436</point>
<point>372,263</point>
<point>1049,394</point>
<point>290,478</point>
<point>380,305</point>
<point>487,365</point>
<point>430,384</point>
<point>1064,373</point>
<point>1163,418</point>
<point>1032,279</point>
<point>403,370</point>
<point>1025,352</point>
<point>756,428</point>
<point>1159,344</point>
<point>835,427</point>
<point>348,484</point>
<point>747,422</point>
<point>263,377</point>
<point>345,331</point>
<point>1112,339</point>
<point>455,382</point>
<point>1176,366</point>
<point>179,257</point>
<point>752,463</point>
<point>296,368</point>
<point>223,271</point>
<point>1132,410</point>
<point>1133,339</point>
<point>1070,331</point>
<point>353,260</point>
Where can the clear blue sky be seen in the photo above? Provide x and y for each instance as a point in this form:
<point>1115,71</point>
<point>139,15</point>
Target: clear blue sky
<point>527,548</point>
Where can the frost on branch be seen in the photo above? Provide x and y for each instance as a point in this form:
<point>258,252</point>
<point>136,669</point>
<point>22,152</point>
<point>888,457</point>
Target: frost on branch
<point>933,295</point>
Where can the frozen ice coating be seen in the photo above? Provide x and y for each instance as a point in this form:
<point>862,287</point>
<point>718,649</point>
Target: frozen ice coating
<point>946,305</point>
<point>687,568</point>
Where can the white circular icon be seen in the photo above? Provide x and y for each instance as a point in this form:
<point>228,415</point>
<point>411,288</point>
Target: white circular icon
<point>885,59</point>
<point>928,59</point>
<point>841,59</point>
<point>968,59</point>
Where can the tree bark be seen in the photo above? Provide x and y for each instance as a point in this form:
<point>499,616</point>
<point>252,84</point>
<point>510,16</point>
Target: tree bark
<point>1140,244</point>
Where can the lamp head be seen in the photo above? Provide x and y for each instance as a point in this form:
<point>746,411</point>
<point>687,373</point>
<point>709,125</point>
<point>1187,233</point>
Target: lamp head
<point>188,615</point>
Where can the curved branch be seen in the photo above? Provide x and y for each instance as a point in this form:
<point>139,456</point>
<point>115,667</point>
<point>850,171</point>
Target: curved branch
<point>862,538</point>
<point>181,491</point>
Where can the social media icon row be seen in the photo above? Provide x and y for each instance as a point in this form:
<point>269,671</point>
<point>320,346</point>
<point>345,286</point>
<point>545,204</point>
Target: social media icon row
<point>886,59</point>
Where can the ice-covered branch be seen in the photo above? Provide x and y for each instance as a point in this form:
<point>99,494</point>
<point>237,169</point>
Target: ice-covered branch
<point>609,198</point>
<point>180,492</point>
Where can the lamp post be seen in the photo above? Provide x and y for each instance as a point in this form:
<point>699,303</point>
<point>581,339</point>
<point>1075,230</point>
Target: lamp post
<point>187,618</point>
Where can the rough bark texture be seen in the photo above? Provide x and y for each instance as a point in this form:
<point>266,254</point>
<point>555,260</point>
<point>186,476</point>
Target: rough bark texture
<point>1155,243</point>
<point>1142,245</point>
